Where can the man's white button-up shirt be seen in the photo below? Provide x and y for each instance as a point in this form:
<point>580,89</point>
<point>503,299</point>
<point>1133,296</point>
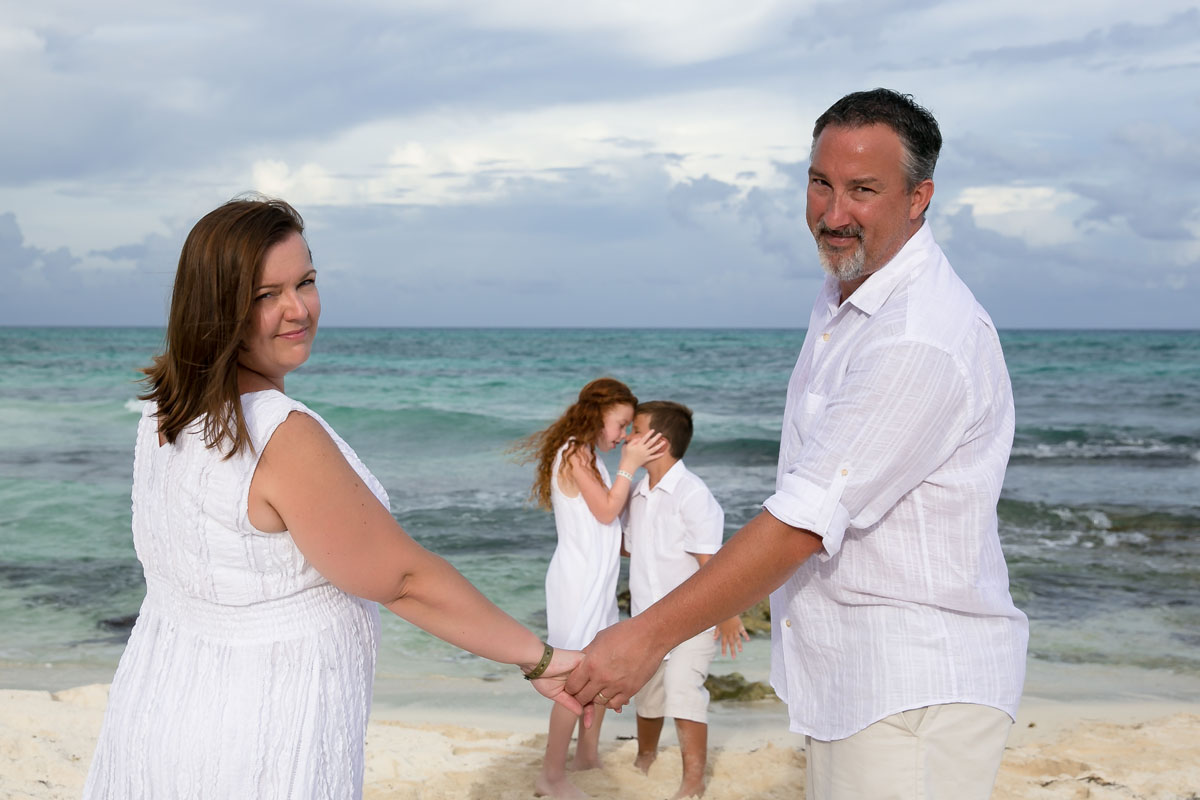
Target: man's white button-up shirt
<point>896,434</point>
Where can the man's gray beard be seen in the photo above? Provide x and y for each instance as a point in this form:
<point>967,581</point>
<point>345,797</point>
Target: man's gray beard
<point>852,267</point>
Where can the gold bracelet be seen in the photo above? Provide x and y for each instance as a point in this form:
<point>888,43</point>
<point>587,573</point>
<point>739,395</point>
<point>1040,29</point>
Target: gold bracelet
<point>537,671</point>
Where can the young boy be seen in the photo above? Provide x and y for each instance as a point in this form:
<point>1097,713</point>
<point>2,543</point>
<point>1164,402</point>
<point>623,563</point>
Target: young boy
<point>671,527</point>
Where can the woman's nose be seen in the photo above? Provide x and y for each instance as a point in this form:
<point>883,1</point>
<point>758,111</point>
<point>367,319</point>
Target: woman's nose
<point>295,307</point>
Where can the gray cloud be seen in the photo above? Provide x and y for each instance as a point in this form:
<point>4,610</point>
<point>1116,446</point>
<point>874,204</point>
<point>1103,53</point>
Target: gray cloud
<point>1065,285</point>
<point>1100,47</point>
<point>688,196</point>
<point>57,287</point>
<point>23,266</point>
<point>153,115</point>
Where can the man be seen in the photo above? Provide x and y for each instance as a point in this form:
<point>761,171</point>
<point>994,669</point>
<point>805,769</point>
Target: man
<point>895,642</point>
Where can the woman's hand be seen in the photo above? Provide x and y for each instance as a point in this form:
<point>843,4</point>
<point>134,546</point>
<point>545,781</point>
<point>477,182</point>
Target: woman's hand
<point>553,682</point>
<point>641,449</point>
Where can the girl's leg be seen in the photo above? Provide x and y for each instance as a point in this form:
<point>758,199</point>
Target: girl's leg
<point>552,781</point>
<point>587,749</point>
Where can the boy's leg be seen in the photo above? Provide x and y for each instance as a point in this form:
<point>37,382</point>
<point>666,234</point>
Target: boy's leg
<point>687,701</point>
<point>693,746</point>
<point>587,746</point>
<point>648,731</point>
<point>649,704</point>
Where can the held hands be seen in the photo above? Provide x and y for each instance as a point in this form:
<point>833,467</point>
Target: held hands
<point>616,665</point>
<point>731,632</point>
<point>642,448</point>
<point>552,683</point>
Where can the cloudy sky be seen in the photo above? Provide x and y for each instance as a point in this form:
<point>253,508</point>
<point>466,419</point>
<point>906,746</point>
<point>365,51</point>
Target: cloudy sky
<point>618,163</point>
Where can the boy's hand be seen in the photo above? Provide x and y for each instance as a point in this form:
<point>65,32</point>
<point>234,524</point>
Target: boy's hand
<point>731,632</point>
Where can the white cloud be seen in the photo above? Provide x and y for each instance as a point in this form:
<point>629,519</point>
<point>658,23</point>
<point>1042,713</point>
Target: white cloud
<point>446,157</point>
<point>496,142</point>
<point>1176,280</point>
<point>1040,215</point>
<point>16,43</point>
<point>997,200</point>
<point>309,184</point>
<point>670,32</point>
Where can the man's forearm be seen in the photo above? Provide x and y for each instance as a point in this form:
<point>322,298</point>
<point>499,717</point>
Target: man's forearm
<point>756,561</point>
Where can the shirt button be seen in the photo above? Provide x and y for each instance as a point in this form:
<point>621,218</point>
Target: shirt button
<point>824,337</point>
<point>787,623</point>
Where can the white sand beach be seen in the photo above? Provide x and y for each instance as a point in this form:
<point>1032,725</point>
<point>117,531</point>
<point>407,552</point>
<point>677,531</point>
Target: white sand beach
<point>471,738</point>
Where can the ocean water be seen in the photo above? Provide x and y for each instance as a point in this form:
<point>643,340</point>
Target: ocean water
<point>1100,514</point>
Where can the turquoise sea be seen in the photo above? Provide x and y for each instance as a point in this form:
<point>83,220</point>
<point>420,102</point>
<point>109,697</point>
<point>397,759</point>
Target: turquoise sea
<point>1100,514</point>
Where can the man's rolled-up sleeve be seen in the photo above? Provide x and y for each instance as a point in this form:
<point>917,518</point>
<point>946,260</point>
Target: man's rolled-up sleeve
<point>896,415</point>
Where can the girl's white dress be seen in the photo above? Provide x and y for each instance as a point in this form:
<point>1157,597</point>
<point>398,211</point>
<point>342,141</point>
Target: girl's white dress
<point>247,675</point>
<point>581,582</point>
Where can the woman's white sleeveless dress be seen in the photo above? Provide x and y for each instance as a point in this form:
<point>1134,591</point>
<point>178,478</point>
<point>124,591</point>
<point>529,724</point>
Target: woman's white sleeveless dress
<point>247,675</point>
<point>581,581</point>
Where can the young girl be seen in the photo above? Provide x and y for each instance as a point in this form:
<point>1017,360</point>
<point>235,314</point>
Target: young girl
<point>581,581</point>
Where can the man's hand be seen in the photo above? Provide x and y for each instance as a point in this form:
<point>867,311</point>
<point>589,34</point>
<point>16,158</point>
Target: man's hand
<point>616,665</point>
<point>732,633</point>
<point>753,563</point>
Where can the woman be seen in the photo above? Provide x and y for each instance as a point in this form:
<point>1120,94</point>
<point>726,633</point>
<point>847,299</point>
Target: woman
<point>267,546</point>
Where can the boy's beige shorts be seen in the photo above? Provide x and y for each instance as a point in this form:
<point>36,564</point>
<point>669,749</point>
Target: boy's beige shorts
<point>942,752</point>
<point>677,688</point>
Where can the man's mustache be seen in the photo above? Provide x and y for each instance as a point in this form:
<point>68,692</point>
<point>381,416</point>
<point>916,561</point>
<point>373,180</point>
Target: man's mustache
<point>849,230</point>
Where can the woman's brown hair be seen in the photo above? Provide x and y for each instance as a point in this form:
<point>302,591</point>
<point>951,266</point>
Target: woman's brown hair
<point>582,421</point>
<point>196,375</point>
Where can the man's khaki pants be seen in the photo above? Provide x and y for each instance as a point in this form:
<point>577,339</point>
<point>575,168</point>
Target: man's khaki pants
<point>942,752</point>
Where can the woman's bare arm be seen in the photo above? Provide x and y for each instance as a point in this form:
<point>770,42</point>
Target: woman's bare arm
<point>355,543</point>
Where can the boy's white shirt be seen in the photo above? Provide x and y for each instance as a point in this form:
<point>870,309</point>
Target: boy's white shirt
<point>663,527</point>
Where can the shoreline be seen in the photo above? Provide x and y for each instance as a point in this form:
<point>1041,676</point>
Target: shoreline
<point>1082,731</point>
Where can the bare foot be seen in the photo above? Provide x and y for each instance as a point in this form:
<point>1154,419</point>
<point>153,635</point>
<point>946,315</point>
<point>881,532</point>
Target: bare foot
<point>643,761</point>
<point>689,789</point>
<point>578,764</point>
<point>561,788</point>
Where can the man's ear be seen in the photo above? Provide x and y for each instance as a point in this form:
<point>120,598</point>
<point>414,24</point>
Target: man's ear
<point>920,199</point>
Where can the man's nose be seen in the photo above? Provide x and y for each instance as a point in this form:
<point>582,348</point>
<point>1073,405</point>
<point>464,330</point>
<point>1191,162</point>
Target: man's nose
<point>837,211</point>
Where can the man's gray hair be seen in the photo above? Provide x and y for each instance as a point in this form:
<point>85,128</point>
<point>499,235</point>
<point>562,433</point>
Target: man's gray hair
<point>916,127</point>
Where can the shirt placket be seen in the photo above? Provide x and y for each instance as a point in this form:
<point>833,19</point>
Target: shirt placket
<point>823,346</point>
<point>655,546</point>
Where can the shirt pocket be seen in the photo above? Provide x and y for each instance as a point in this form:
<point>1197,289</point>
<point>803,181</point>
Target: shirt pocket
<point>811,407</point>
<point>802,419</point>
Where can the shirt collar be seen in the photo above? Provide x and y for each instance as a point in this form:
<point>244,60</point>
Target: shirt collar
<point>667,482</point>
<point>878,287</point>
